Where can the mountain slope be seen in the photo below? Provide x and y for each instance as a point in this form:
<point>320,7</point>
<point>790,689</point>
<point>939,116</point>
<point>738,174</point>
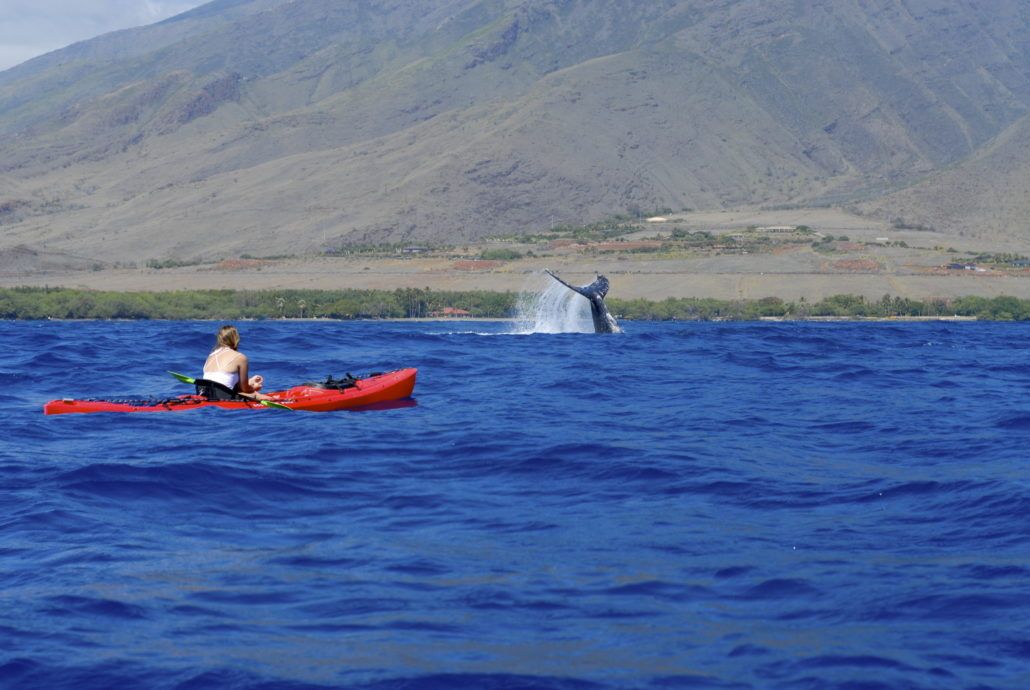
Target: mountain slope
<point>986,196</point>
<point>267,127</point>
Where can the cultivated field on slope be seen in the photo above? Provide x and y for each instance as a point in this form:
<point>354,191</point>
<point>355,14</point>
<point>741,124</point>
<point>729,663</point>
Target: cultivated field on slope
<point>742,254</point>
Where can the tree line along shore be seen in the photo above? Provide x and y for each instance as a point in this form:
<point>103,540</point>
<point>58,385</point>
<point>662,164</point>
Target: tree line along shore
<point>69,303</point>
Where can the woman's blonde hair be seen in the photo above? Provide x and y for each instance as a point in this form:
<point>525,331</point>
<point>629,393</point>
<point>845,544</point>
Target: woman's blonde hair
<point>228,337</point>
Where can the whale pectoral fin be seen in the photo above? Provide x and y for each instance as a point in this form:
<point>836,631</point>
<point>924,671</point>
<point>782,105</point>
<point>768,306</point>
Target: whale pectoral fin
<point>604,322</point>
<point>571,287</point>
<point>548,272</point>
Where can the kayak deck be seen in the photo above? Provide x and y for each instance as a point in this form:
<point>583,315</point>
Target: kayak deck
<point>382,388</point>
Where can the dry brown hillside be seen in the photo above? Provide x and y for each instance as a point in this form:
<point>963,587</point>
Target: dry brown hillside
<point>262,127</point>
<point>985,197</point>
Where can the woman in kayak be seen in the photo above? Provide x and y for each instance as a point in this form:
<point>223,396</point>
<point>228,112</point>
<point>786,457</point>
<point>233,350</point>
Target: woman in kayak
<point>228,366</point>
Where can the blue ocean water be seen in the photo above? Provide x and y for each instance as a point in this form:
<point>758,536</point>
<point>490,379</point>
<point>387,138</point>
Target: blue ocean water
<point>690,505</point>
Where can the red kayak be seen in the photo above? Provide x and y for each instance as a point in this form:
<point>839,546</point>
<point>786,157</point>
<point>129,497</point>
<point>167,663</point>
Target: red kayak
<point>373,390</point>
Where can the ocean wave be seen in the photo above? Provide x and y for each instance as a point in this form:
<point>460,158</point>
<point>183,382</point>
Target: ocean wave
<point>690,505</point>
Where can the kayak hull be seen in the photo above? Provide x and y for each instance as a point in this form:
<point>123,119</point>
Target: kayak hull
<point>374,390</point>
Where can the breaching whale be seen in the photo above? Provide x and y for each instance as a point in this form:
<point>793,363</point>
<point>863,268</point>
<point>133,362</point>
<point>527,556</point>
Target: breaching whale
<point>604,322</point>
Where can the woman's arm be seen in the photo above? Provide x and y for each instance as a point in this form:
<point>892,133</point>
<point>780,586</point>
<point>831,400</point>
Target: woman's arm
<point>242,366</point>
<point>245,387</point>
<point>241,370</point>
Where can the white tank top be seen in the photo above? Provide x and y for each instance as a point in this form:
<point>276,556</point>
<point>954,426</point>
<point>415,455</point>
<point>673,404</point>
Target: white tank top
<point>229,379</point>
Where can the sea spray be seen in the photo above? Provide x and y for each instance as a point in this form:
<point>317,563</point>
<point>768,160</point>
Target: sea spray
<point>554,310</point>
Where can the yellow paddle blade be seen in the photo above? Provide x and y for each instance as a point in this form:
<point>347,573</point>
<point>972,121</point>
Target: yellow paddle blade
<point>183,377</point>
<point>280,406</point>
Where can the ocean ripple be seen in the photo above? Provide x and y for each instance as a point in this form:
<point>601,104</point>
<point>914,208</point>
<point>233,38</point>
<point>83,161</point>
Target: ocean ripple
<point>687,505</point>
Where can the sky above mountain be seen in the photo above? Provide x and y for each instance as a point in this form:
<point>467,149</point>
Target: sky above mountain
<point>33,27</point>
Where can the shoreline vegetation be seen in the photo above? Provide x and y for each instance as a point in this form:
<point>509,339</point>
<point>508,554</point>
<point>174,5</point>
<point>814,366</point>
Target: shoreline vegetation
<point>35,303</point>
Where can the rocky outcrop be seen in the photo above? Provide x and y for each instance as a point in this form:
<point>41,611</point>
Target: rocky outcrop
<point>206,100</point>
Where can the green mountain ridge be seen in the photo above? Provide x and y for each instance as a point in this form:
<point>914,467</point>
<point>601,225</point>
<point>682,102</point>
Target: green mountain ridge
<point>253,125</point>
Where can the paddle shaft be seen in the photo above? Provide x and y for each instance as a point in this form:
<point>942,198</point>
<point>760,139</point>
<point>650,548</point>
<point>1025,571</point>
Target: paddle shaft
<point>250,396</point>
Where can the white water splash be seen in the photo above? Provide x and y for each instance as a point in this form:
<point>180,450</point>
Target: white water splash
<point>555,310</point>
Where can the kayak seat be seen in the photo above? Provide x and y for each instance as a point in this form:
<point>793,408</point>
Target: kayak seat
<point>212,390</point>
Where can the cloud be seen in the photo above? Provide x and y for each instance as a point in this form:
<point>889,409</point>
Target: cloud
<point>32,27</point>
